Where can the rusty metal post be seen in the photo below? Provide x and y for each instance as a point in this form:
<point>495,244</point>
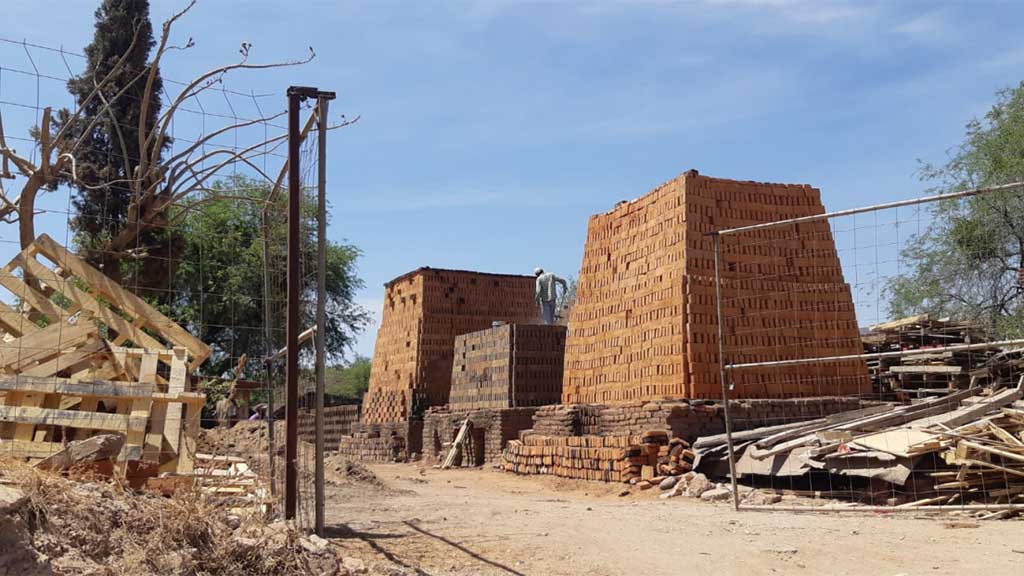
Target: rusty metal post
<point>723,376</point>
<point>323,101</point>
<point>291,485</point>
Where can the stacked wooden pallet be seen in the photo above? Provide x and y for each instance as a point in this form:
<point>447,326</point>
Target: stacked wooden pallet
<point>935,372</point>
<point>424,311</point>
<point>508,366</point>
<point>603,458</point>
<point>80,354</point>
<point>644,324</point>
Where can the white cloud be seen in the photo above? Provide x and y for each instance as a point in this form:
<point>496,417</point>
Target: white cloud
<point>929,26</point>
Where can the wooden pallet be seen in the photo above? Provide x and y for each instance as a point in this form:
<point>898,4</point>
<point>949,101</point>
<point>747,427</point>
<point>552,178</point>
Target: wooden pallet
<point>80,355</point>
<point>67,288</point>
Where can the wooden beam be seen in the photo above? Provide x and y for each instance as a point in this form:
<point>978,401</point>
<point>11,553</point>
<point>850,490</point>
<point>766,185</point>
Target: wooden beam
<point>93,388</point>
<point>122,423</point>
<point>88,301</point>
<point>66,360</point>
<point>29,449</point>
<point>15,323</point>
<point>18,354</point>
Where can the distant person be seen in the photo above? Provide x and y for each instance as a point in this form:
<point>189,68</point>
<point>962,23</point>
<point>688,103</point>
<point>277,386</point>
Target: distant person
<point>546,294</point>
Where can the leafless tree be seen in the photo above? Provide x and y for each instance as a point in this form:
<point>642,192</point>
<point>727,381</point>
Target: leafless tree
<point>157,184</point>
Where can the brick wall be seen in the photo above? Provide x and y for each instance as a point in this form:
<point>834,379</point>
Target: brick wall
<point>390,442</point>
<point>681,419</point>
<point>644,325</point>
<point>508,366</point>
<point>338,421</point>
<point>424,311</point>
<point>491,432</point>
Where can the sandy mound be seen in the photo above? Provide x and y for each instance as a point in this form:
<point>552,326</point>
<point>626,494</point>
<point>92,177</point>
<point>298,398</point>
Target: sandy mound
<point>339,470</point>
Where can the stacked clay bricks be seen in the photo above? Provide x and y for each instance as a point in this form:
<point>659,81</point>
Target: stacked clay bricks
<point>508,366</point>
<point>568,420</point>
<point>394,442</point>
<point>644,324</point>
<point>424,311</point>
<point>339,421</point>
<point>491,431</point>
<point>602,458</point>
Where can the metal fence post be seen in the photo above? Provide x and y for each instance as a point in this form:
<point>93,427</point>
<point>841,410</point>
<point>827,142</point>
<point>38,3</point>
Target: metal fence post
<point>321,306</point>
<point>291,495</point>
<point>723,376</point>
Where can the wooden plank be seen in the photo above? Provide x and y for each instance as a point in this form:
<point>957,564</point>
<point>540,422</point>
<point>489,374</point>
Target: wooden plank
<point>29,449</point>
<point>1005,454</point>
<point>124,299</point>
<point>88,302</point>
<point>122,423</point>
<point>136,437</point>
<point>34,299</point>
<point>66,360</point>
<point>92,388</point>
<point>900,323</point>
<point>972,412</point>
<point>187,452</point>
<point>15,323</point>
<point>18,354</point>
<point>925,369</point>
<point>176,385</point>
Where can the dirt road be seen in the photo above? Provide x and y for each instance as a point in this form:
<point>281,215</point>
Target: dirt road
<point>486,522</point>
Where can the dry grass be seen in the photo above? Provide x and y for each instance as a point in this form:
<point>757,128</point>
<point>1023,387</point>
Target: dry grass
<point>96,526</point>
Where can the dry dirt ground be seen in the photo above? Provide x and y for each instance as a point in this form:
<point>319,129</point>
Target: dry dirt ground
<point>487,522</point>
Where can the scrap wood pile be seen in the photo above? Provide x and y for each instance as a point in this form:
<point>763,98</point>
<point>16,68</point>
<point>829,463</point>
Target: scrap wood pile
<point>964,448</point>
<point>81,356</point>
<point>645,457</point>
<point>938,371</point>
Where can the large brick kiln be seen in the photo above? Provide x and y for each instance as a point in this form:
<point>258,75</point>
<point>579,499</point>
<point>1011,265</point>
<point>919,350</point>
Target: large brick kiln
<point>424,311</point>
<point>644,325</point>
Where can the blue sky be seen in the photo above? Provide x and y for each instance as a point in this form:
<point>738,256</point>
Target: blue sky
<point>491,130</point>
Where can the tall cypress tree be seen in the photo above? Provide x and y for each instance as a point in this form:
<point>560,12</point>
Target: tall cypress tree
<point>108,161</point>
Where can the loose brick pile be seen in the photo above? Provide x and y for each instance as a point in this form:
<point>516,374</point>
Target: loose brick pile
<point>491,432</point>
<point>339,421</point>
<point>424,311</point>
<point>508,366</point>
<point>603,458</point>
<point>644,323</point>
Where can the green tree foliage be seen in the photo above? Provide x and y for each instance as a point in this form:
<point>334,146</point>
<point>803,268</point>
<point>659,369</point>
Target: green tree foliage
<point>351,381</point>
<point>110,152</point>
<point>967,263</point>
<point>218,286</point>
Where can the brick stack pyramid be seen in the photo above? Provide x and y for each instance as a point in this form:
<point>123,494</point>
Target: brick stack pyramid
<point>644,324</point>
<point>424,310</point>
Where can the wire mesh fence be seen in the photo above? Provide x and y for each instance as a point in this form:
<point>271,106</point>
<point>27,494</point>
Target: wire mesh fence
<point>151,304</point>
<point>869,304</point>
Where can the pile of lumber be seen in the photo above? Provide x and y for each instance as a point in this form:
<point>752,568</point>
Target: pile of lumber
<point>963,448</point>
<point>80,355</point>
<point>424,310</point>
<point>931,369</point>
